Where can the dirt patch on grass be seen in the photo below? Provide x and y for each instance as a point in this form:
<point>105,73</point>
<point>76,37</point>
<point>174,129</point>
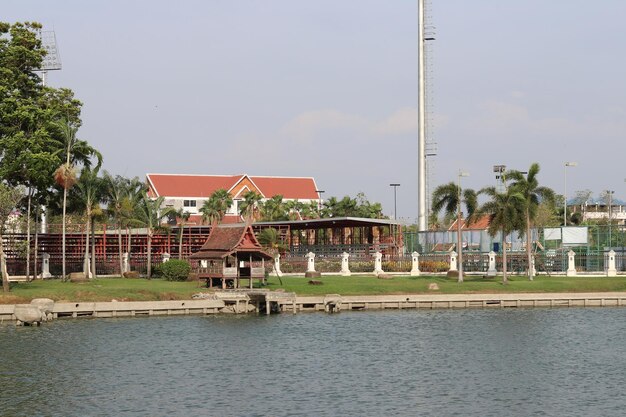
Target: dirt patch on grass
<point>168,296</point>
<point>13,299</point>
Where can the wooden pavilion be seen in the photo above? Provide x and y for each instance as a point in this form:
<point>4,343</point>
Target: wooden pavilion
<point>230,253</point>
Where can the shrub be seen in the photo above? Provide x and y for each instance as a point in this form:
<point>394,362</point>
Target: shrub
<point>175,270</point>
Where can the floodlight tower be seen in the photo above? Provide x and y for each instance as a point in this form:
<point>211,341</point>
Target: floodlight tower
<point>422,175</point>
<point>51,62</point>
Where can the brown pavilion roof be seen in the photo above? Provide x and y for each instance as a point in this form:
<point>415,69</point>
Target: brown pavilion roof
<point>225,240</point>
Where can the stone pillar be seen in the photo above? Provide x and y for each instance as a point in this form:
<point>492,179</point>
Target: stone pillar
<point>277,271</point>
<point>125,262</point>
<point>571,265</point>
<point>345,267</point>
<point>532,265</point>
<point>453,258</point>
<point>87,267</point>
<point>165,257</point>
<point>611,271</point>
<point>310,267</point>
<point>378,263</point>
<point>3,265</point>
<point>492,271</point>
<point>415,264</point>
<point>45,266</point>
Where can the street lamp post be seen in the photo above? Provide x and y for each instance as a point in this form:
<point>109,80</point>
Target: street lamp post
<point>459,236</point>
<point>319,204</point>
<point>610,196</point>
<point>395,207</point>
<point>567,164</point>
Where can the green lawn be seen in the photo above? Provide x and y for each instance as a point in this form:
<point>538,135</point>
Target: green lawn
<point>360,285</point>
<point>106,289</point>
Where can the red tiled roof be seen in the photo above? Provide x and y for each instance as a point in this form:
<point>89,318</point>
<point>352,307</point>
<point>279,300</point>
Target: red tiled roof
<point>481,223</point>
<point>225,240</point>
<point>176,185</point>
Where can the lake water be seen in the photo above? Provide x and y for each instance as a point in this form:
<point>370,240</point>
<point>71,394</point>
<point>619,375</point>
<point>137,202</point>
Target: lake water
<point>527,362</point>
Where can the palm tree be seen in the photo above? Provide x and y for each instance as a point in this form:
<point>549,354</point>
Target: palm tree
<point>184,217</point>
<point>274,209</point>
<point>75,150</point>
<point>86,196</point>
<point>448,197</point>
<point>115,194</point>
<point>533,195</point>
<point>506,211</point>
<point>214,209</point>
<point>249,204</point>
<point>149,215</point>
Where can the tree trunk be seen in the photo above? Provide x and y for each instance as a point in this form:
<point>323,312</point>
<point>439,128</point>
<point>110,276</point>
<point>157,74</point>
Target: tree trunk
<point>36,252</point>
<point>459,239</point>
<point>63,240</point>
<point>28,235</point>
<point>86,268</point>
<point>504,278</point>
<point>180,242</point>
<point>119,247</point>
<point>93,249</point>
<point>529,246</point>
<point>3,268</point>
<point>149,254</point>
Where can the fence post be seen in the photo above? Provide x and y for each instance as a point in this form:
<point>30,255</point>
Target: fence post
<point>415,264</point>
<point>45,266</point>
<point>612,271</point>
<point>277,271</point>
<point>311,262</point>
<point>378,263</point>
<point>492,271</point>
<point>453,256</point>
<point>532,265</point>
<point>345,267</point>
<point>571,266</point>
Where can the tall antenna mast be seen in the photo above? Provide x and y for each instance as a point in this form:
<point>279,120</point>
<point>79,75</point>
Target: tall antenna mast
<point>421,136</point>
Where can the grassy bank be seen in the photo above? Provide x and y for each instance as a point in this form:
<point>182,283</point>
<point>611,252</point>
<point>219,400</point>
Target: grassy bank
<point>106,289</point>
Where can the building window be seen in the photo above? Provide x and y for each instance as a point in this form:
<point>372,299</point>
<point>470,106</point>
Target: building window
<point>189,203</point>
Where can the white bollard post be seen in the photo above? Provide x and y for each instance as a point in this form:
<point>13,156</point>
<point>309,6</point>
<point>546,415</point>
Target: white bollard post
<point>415,264</point>
<point>492,271</point>
<point>310,262</point>
<point>453,256</point>
<point>345,267</point>
<point>611,271</point>
<point>378,263</point>
<point>45,266</point>
<point>125,262</point>
<point>571,265</point>
<point>532,265</point>
<point>277,271</point>
<point>165,257</point>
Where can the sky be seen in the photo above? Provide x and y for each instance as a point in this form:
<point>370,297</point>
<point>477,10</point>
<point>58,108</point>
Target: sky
<point>328,89</point>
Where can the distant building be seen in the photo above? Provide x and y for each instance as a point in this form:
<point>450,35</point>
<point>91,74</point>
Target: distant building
<point>189,192</point>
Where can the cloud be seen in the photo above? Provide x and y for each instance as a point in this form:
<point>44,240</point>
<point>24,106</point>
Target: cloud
<point>402,121</point>
<point>305,126</point>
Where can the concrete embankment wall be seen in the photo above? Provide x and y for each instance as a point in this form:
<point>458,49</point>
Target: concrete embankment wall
<point>334,302</point>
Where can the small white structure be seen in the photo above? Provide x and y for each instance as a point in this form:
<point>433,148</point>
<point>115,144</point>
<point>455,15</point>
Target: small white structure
<point>45,266</point>
<point>453,257</point>
<point>125,262</point>
<point>345,267</point>
<point>571,265</point>
<point>165,257</point>
<point>310,267</point>
<point>532,265</point>
<point>378,264</point>
<point>415,264</point>
<point>611,271</point>
<point>492,271</point>
<point>277,271</point>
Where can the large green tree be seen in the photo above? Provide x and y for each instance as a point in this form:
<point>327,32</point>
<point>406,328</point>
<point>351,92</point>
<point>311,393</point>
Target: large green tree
<point>506,213</point>
<point>248,206</point>
<point>449,198</point>
<point>528,186</point>
<point>9,198</point>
